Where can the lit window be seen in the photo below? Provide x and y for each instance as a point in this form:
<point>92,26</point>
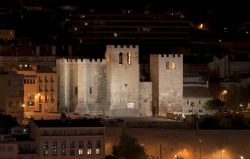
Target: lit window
<point>173,65</point>
<point>120,58</point>
<point>129,58</point>
<point>167,64</point>
<point>97,151</point>
<point>89,151</point>
<point>80,152</point>
<point>45,153</point>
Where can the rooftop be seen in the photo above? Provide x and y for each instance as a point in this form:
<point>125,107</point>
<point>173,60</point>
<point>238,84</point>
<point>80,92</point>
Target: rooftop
<point>195,91</point>
<point>69,123</point>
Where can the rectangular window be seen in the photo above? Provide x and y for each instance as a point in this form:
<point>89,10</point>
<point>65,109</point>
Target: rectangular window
<point>173,65</point>
<point>129,58</point>
<point>89,145</point>
<point>90,90</point>
<point>46,97</point>
<point>40,88</point>
<point>120,58</point>
<point>187,102</point>
<point>89,152</point>
<point>24,81</point>
<point>51,79</point>
<point>33,81</point>
<point>40,79</point>
<point>45,144</point>
<point>81,144</point>
<point>167,64</point>
<point>76,90</point>
<point>80,152</point>
<point>72,144</point>
<point>199,102</point>
<point>97,151</point>
<point>63,144</point>
<point>45,153</point>
<point>98,144</point>
<point>72,152</point>
<point>63,152</point>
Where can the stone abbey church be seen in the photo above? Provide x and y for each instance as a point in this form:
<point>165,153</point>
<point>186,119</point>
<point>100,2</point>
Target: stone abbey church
<point>112,86</point>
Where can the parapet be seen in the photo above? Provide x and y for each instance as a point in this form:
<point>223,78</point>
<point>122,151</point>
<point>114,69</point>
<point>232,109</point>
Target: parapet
<point>171,55</point>
<point>123,46</point>
<point>81,60</point>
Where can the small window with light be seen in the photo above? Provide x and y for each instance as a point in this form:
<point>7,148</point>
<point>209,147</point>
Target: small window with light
<point>129,58</point>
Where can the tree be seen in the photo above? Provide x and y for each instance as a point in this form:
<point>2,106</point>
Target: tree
<point>213,104</point>
<point>236,95</point>
<point>128,148</point>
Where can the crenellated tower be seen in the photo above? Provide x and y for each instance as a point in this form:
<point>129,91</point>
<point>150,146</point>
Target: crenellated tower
<point>123,79</point>
<point>166,72</point>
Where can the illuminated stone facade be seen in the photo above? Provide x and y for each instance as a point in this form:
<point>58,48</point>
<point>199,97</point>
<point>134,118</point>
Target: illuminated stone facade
<point>167,83</point>
<point>112,86</point>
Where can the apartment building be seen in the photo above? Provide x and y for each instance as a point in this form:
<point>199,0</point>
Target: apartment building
<point>69,138</point>
<point>40,90</point>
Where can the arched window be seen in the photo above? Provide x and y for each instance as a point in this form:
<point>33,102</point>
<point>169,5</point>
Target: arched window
<point>120,58</point>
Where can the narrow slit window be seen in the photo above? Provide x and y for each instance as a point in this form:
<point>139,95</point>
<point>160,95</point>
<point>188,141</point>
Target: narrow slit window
<point>173,65</point>
<point>120,58</point>
<point>90,90</point>
<point>167,64</point>
<point>129,58</point>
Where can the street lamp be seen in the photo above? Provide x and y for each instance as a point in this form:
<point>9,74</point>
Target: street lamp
<point>200,141</point>
<point>222,151</point>
<point>241,157</point>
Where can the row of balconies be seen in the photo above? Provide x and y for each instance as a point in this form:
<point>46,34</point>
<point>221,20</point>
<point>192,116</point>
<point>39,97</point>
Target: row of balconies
<point>46,81</point>
<point>46,90</point>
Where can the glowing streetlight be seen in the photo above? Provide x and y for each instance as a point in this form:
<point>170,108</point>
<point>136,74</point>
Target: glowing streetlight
<point>23,105</point>
<point>222,151</point>
<point>242,157</point>
<point>224,92</point>
<point>200,141</point>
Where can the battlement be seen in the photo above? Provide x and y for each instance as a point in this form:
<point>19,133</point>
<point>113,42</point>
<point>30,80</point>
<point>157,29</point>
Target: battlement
<point>166,55</point>
<point>122,46</point>
<point>81,60</point>
<point>171,55</point>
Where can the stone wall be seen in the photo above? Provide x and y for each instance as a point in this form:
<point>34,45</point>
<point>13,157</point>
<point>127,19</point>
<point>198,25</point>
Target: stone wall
<point>123,80</point>
<point>146,98</point>
<point>82,85</point>
<point>167,79</point>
